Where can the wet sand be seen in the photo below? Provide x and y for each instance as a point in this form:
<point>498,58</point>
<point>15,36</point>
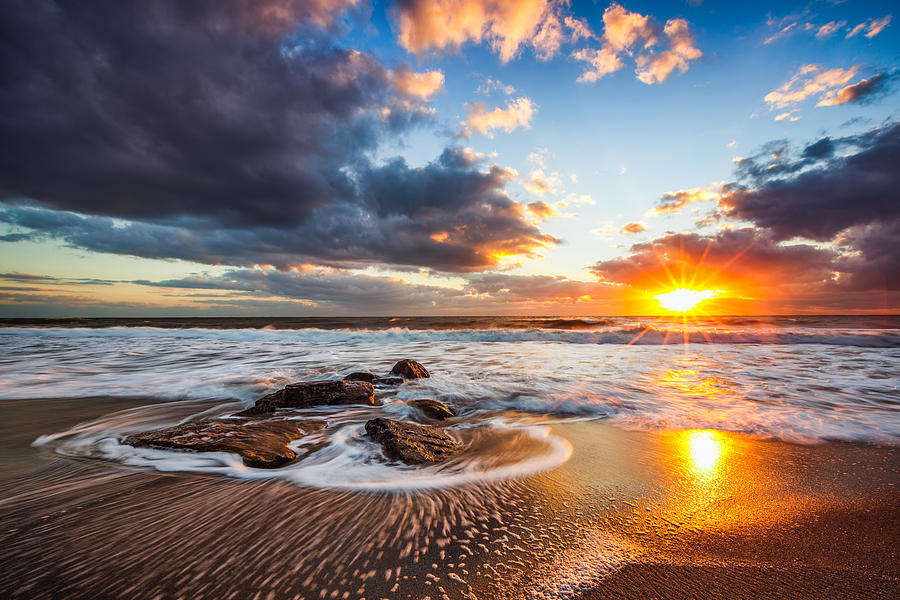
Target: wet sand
<point>691,514</point>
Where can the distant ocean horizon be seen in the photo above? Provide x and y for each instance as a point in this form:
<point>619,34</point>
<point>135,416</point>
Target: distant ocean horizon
<point>578,322</point>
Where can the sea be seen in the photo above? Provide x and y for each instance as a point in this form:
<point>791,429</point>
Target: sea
<point>800,379</point>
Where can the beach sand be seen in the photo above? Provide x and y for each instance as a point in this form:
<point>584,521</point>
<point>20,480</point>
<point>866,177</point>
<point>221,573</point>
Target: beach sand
<point>687,514</point>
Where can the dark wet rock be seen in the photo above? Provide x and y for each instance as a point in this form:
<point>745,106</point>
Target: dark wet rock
<point>261,444</point>
<point>373,378</point>
<point>434,409</point>
<point>411,443</point>
<point>409,369</point>
<point>361,376</point>
<point>313,393</point>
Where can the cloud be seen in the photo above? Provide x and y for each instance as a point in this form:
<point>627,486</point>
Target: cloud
<point>490,85</point>
<point>674,201</point>
<point>744,259</point>
<point>865,90</point>
<point>153,111</point>
<point>506,25</point>
<point>824,220</point>
<point>543,288</point>
<point>278,15</point>
<point>633,228</point>
<point>540,183</point>
<point>602,61</point>
<point>790,115</point>
<point>418,85</point>
<point>841,192</point>
<point>829,28</point>
<point>541,210</point>
<point>872,27</point>
<point>821,192</point>
<point>877,26</point>
<point>579,29</point>
<point>392,221</point>
<point>785,30</point>
<point>810,80</point>
<point>656,68</point>
<point>234,133</point>
<point>518,113</point>
<point>335,291</point>
<point>633,34</point>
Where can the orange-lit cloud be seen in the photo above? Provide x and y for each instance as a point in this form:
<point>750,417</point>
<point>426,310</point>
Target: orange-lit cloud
<point>627,33</point>
<point>426,25</point>
<point>872,27</point>
<point>865,88</point>
<point>656,68</point>
<point>633,228</point>
<point>829,28</point>
<point>418,85</point>
<point>602,61</point>
<point>810,80</point>
<point>747,266</point>
<point>518,113</point>
<point>541,210</point>
<point>790,115</point>
<point>674,201</point>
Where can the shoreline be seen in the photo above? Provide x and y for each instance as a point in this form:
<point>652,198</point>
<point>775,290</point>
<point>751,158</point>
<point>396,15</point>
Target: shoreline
<point>699,514</point>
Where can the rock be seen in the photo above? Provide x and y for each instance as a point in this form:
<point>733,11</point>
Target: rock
<point>373,378</point>
<point>361,376</point>
<point>261,444</point>
<point>410,443</point>
<point>433,409</point>
<point>409,369</point>
<point>313,393</point>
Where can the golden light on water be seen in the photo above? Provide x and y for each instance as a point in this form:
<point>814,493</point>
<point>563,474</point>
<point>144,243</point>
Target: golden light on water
<point>683,299</point>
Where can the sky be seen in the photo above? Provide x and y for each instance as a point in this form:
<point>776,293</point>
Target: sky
<point>430,157</point>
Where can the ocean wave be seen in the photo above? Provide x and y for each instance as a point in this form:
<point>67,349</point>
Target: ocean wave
<point>796,385</point>
<point>641,335</point>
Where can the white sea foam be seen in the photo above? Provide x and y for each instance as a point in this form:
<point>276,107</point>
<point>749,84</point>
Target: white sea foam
<point>347,459</point>
<point>813,384</point>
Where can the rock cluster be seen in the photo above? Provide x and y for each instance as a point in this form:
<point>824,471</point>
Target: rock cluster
<point>434,409</point>
<point>409,369</point>
<point>411,443</point>
<point>261,435</point>
<point>260,444</point>
<point>313,393</point>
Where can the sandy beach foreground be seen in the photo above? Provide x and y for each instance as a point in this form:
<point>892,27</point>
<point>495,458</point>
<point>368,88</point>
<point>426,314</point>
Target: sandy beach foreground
<point>683,514</point>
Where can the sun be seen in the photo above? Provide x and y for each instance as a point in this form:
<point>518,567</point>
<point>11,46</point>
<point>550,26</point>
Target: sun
<point>683,299</point>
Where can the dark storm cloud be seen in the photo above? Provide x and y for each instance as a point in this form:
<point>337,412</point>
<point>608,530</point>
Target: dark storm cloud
<point>228,132</point>
<point>824,191</point>
<point>158,109</point>
<point>447,215</point>
<point>874,260</point>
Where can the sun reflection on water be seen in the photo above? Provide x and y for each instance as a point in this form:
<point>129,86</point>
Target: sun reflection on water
<point>690,382</point>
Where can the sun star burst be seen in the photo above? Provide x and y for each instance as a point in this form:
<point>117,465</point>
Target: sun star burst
<point>683,300</point>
